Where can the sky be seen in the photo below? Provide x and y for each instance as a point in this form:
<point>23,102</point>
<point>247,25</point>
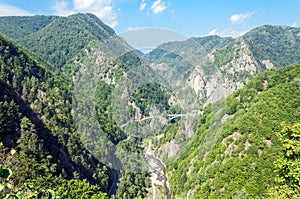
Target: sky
<point>191,18</point>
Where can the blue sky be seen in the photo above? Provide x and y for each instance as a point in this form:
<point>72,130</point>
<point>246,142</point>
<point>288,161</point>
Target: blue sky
<point>191,18</point>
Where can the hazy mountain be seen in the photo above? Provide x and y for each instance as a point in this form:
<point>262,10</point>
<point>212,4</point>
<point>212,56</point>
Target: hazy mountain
<point>185,55</point>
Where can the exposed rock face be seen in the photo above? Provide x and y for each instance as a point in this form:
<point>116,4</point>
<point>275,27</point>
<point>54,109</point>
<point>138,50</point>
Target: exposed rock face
<point>225,78</point>
<point>197,81</point>
<point>268,64</point>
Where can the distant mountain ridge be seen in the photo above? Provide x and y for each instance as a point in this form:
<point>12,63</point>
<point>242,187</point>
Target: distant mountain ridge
<point>18,27</point>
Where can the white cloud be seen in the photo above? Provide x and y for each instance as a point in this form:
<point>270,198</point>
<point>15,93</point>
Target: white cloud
<point>294,25</point>
<point>143,5</point>
<point>159,6</point>
<point>101,8</point>
<point>8,10</point>
<point>239,18</point>
<point>227,33</point>
<point>213,32</point>
<point>61,8</point>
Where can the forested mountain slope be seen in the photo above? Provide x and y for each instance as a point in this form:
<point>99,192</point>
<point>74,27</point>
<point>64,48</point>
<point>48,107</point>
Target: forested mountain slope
<point>278,44</point>
<point>227,65</point>
<point>18,27</point>
<point>79,52</point>
<point>36,123</point>
<point>233,150</point>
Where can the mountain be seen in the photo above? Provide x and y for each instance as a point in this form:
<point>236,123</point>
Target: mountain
<point>215,67</point>
<point>62,39</point>
<point>184,55</point>
<point>231,67</point>
<point>83,57</point>
<point>224,65</point>
<point>232,152</point>
<point>18,27</point>
<point>36,124</point>
<point>274,45</point>
<point>214,77</point>
<point>80,108</point>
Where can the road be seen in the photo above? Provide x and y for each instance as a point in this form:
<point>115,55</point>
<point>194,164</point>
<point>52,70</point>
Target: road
<point>171,117</point>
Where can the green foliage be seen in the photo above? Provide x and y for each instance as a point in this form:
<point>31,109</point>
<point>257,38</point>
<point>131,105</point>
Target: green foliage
<point>35,120</point>
<point>17,27</point>
<point>239,162</point>
<point>133,185</point>
<point>5,173</point>
<point>39,188</point>
<point>288,164</point>
<point>104,109</point>
<point>224,55</point>
<point>171,59</point>
<point>279,44</point>
<point>69,188</point>
<point>128,61</point>
<point>151,94</point>
<point>231,104</point>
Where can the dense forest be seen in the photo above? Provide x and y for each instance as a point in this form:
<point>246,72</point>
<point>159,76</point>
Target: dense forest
<point>41,135</point>
<point>238,159</point>
<point>81,112</point>
<point>36,119</point>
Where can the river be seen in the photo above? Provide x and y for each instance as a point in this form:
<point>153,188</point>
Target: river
<point>114,185</point>
<point>158,171</point>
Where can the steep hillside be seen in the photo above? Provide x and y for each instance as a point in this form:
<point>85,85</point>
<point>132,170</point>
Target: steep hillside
<point>232,152</point>
<point>88,59</point>
<point>274,45</point>
<point>230,68</point>
<point>215,66</point>
<point>36,123</point>
<point>223,69</point>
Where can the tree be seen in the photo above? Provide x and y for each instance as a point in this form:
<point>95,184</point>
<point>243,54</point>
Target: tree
<point>288,166</point>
